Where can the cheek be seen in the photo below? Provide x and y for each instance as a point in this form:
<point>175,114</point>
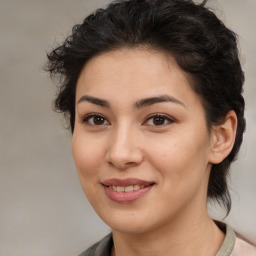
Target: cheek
<point>171,150</point>
<point>181,156</point>
<point>182,169</point>
<point>87,154</point>
<point>88,160</point>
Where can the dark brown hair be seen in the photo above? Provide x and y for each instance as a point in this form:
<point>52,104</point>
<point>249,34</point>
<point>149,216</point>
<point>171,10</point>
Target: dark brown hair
<point>200,43</point>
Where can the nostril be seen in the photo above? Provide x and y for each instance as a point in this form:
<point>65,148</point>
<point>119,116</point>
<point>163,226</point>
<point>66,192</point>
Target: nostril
<point>129,163</point>
<point>121,165</point>
<point>123,157</point>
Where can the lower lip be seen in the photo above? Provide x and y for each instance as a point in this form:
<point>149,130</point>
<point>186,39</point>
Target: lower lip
<point>126,197</point>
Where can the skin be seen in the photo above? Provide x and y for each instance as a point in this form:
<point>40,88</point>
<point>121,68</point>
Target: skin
<point>127,142</point>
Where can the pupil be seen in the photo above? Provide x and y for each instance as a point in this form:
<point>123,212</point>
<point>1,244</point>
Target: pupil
<point>98,120</point>
<point>158,120</point>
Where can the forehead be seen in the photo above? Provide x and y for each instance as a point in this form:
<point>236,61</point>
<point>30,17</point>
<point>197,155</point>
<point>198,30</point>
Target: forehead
<point>133,73</point>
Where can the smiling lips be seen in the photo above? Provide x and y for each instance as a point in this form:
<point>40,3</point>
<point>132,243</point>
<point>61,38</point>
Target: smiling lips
<point>127,190</point>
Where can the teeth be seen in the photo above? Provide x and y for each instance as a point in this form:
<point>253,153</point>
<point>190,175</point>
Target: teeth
<point>136,187</point>
<point>120,189</point>
<point>127,188</point>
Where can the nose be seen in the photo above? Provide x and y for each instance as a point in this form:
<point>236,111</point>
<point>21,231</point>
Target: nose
<point>124,149</point>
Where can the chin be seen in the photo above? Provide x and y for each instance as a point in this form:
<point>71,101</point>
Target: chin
<point>129,222</point>
<point>129,227</point>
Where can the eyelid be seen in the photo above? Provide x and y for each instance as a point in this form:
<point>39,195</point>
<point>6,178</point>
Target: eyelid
<point>166,117</point>
<point>85,118</point>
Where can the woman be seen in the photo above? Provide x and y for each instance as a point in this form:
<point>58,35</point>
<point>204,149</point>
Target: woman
<point>152,90</point>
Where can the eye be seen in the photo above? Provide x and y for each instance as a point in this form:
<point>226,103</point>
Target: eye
<point>95,120</point>
<point>158,120</point>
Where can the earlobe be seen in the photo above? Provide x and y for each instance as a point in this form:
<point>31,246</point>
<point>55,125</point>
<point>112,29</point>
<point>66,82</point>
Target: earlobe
<point>223,138</point>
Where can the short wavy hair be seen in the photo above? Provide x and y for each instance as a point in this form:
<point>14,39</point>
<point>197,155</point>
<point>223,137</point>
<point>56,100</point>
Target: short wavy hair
<point>200,43</point>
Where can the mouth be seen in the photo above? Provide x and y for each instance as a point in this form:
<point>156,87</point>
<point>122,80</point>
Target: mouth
<point>126,190</point>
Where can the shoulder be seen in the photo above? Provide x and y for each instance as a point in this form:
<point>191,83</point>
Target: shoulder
<point>101,248</point>
<point>243,247</point>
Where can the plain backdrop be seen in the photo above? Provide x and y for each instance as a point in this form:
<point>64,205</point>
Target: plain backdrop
<point>43,211</point>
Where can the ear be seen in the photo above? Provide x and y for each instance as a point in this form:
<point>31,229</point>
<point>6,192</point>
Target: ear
<point>223,138</point>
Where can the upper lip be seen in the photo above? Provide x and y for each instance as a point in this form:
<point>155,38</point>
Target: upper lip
<point>126,182</point>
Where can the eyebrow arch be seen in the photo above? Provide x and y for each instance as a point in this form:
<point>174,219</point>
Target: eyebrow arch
<point>158,99</point>
<point>93,100</point>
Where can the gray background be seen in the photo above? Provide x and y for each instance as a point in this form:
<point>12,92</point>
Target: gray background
<point>43,209</point>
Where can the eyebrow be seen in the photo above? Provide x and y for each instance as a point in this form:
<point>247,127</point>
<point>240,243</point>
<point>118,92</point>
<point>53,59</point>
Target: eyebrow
<point>93,100</point>
<point>158,99</point>
<point>138,104</point>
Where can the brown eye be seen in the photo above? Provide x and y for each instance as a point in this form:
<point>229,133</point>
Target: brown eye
<point>158,120</point>
<point>95,120</point>
<point>98,120</point>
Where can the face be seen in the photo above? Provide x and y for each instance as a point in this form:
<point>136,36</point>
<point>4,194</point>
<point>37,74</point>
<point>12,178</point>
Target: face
<point>140,143</point>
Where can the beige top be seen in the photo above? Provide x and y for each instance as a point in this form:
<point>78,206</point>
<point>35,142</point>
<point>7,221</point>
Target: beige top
<point>235,246</point>
<point>231,246</point>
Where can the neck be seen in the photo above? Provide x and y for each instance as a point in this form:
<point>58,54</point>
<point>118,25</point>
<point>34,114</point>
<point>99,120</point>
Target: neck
<point>194,235</point>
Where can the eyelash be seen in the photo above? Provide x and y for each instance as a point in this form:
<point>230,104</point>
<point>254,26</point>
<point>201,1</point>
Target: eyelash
<point>165,118</point>
<point>86,119</point>
<point>161,116</point>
